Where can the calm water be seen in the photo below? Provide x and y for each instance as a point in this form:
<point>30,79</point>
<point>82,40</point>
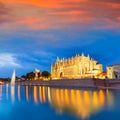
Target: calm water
<point>44,103</point>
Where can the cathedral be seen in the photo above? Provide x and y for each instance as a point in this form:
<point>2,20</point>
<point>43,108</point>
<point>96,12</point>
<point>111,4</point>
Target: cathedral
<point>76,67</point>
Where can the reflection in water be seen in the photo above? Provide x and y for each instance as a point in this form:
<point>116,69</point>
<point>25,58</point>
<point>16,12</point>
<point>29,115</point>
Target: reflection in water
<point>0,92</point>
<point>27,94</point>
<point>13,93</point>
<point>35,95</point>
<point>19,92</point>
<point>110,98</point>
<point>49,95</point>
<point>80,103</point>
<point>42,94</point>
<point>7,91</point>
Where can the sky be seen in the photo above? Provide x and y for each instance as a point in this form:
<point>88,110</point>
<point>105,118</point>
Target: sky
<point>34,32</point>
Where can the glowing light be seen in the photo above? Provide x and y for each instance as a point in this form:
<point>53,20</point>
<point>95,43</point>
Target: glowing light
<point>35,95</point>
<point>40,94</point>
<point>27,94</point>
<point>79,102</point>
<point>102,97</point>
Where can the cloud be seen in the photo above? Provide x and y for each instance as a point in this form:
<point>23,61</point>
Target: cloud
<point>52,27</point>
<point>4,14</point>
<point>54,14</point>
<point>25,62</point>
<point>8,60</point>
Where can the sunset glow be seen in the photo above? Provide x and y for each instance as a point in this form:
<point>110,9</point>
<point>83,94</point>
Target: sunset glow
<point>33,32</point>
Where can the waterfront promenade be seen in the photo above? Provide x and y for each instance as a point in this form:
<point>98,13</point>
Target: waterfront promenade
<point>75,83</point>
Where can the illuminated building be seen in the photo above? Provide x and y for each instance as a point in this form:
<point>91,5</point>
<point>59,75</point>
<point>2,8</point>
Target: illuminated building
<point>102,75</point>
<point>113,71</point>
<point>37,71</point>
<point>76,67</point>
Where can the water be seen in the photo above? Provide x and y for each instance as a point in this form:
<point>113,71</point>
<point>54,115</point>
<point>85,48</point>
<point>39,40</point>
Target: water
<point>44,103</point>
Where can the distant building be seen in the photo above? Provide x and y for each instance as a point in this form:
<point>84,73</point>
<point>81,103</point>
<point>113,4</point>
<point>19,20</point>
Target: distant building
<point>113,71</point>
<point>37,76</point>
<point>76,67</point>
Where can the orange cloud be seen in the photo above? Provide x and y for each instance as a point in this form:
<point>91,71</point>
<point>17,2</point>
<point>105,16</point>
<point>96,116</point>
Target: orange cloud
<point>46,3</point>
<point>34,23</point>
<point>74,12</point>
<point>55,14</point>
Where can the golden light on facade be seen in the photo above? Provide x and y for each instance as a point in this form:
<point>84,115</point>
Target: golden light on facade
<point>77,67</point>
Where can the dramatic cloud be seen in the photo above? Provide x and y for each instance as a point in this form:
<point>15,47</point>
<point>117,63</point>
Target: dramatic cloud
<point>8,60</point>
<point>38,31</point>
<point>39,15</point>
<point>4,14</point>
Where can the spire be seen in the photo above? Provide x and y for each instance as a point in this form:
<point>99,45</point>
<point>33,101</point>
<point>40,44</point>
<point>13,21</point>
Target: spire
<point>82,54</point>
<point>57,59</point>
<point>53,64</point>
<point>37,70</point>
<point>88,56</point>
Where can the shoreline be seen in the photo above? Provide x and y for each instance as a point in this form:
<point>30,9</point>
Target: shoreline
<point>74,83</point>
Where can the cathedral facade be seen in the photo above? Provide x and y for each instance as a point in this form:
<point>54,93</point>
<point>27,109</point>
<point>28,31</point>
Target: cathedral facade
<point>76,67</point>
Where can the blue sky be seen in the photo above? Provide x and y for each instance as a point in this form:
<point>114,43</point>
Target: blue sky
<point>34,33</point>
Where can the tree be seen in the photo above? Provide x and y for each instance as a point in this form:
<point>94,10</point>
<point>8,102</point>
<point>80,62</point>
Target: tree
<point>23,76</point>
<point>45,74</point>
<point>30,75</point>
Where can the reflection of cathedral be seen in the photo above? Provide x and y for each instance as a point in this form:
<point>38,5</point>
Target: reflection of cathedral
<point>80,103</point>
<point>73,101</point>
<point>76,67</point>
